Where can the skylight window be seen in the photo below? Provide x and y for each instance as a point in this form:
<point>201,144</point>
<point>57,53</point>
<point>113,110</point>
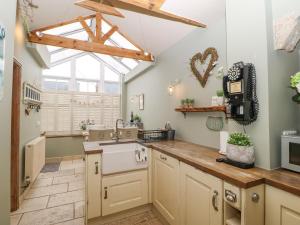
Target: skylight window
<point>61,70</point>
<point>110,75</point>
<point>131,63</point>
<point>113,63</point>
<point>52,48</point>
<point>66,53</point>
<point>87,68</point>
<point>64,29</point>
<point>83,36</point>
<point>105,27</point>
<point>122,41</point>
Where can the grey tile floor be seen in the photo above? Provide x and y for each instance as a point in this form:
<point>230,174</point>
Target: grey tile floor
<point>55,198</point>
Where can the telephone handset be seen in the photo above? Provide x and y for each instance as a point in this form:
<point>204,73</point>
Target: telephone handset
<point>239,87</point>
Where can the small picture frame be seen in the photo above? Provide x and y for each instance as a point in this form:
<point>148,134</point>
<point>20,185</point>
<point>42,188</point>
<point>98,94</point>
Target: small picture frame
<point>141,102</point>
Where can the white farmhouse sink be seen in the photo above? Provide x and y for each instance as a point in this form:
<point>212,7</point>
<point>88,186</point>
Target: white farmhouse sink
<point>118,158</point>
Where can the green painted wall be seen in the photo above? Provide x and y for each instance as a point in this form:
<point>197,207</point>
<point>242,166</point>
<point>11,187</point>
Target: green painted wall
<point>64,146</point>
<point>174,64</point>
<point>7,19</point>
<point>31,73</point>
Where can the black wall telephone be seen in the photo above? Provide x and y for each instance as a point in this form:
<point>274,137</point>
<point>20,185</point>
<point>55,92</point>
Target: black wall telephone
<point>240,89</point>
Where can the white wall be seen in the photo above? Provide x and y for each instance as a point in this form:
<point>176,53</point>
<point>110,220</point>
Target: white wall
<point>174,64</point>
<point>7,18</point>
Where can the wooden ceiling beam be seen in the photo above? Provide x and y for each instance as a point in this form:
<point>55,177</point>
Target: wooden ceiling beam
<point>138,7</point>
<point>98,7</point>
<point>98,26</point>
<point>109,33</point>
<point>70,43</point>
<point>87,29</point>
<point>62,24</point>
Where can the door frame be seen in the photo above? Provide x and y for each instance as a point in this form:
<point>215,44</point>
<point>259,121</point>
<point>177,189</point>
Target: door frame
<point>15,134</point>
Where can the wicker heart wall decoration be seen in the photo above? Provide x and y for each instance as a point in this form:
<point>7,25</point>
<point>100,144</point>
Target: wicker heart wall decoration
<point>202,76</point>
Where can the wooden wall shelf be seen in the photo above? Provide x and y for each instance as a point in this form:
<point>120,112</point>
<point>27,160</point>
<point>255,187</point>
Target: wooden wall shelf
<point>201,109</point>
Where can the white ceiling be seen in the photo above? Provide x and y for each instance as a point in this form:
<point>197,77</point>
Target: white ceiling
<point>153,34</point>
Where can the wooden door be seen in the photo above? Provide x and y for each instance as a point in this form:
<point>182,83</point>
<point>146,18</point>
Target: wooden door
<point>124,191</point>
<point>93,185</point>
<point>200,197</point>
<point>15,134</point>
<point>282,208</point>
<point>166,186</point>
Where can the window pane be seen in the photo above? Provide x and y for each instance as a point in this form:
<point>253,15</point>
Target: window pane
<point>105,27</point>
<point>80,36</point>
<point>110,75</point>
<point>64,54</point>
<point>64,29</point>
<point>84,86</point>
<point>61,70</point>
<point>122,41</point>
<point>111,88</point>
<point>114,63</point>
<point>52,48</point>
<point>56,85</point>
<point>87,68</point>
<point>131,63</point>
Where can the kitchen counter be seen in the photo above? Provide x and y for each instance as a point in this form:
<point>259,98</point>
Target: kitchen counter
<point>204,158</point>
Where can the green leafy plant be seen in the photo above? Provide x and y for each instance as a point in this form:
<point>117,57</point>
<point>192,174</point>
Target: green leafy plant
<point>239,139</point>
<point>137,118</point>
<point>182,102</point>
<point>220,93</point>
<point>295,80</point>
<point>192,101</point>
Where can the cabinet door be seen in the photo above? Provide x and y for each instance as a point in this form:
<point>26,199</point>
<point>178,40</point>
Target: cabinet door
<point>166,186</point>
<point>282,208</point>
<point>124,191</point>
<point>200,197</point>
<point>93,185</point>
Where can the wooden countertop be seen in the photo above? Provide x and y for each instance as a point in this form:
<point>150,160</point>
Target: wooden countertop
<point>204,158</point>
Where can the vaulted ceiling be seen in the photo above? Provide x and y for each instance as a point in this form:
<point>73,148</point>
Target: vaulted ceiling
<point>153,34</point>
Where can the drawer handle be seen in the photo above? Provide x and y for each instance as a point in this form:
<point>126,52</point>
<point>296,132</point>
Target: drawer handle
<point>230,196</point>
<point>163,157</point>
<point>214,200</point>
<point>105,193</point>
<point>96,167</point>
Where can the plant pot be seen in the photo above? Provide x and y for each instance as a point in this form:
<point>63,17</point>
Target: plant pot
<point>243,154</point>
<point>220,100</point>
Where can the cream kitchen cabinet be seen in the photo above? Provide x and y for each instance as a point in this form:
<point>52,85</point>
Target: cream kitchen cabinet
<point>166,186</point>
<point>282,208</point>
<point>93,185</point>
<point>200,197</point>
<point>124,191</point>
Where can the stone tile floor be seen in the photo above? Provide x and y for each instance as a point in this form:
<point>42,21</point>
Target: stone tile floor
<point>55,198</point>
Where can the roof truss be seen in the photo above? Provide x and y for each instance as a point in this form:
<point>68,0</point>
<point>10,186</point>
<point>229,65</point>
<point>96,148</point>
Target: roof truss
<point>96,43</point>
<point>150,8</point>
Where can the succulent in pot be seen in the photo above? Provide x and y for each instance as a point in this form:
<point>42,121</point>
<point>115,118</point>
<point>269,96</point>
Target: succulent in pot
<point>240,148</point>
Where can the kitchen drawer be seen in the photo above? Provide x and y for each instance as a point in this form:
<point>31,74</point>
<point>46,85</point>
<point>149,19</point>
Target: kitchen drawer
<point>232,195</point>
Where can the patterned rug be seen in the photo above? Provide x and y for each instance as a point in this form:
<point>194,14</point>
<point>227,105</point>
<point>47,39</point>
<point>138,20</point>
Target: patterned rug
<point>50,167</point>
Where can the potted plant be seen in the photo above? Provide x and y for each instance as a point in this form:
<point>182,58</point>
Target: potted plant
<point>295,84</point>
<point>83,125</point>
<point>192,103</point>
<point>183,103</point>
<point>220,99</point>
<point>240,148</point>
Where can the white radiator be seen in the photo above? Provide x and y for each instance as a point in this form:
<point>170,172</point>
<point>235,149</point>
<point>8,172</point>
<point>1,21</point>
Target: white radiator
<point>34,158</point>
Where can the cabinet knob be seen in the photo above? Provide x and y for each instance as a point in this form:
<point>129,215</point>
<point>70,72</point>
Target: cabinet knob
<point>230,196</point>
<point>255,197</point>
<point>163,157</point>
